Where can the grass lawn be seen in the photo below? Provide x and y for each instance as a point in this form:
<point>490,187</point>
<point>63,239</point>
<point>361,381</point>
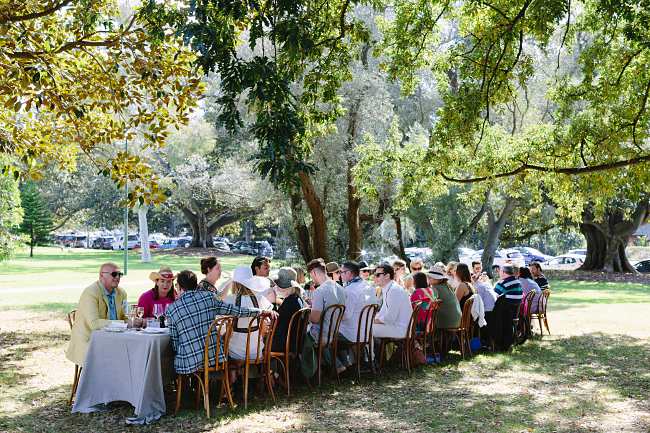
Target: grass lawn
<point>591,375</point>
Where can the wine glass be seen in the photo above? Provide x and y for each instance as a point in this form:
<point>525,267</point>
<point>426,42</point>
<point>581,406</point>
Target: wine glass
<point>158,311</point>
<point>140,312</point>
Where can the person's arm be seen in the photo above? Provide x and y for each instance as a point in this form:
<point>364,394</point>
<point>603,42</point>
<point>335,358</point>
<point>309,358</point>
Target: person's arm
<point>498,288</point>
<point>390,314</point>
<point>88,306</point>
<point>173,333</point>
<point>460,291</point>
<point>317,306</point>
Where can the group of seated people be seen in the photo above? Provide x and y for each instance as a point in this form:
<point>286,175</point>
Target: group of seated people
<point>191,305</point>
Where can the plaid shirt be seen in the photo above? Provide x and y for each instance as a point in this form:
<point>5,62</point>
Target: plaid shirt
<point>190,317</point>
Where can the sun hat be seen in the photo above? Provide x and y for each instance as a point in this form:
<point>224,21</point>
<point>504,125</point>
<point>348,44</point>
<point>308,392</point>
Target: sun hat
<point>164,273</point>
<point>287,278</point>
<point>244,276</point>
<point>437,273</point>
<point>332,267</point>
<point>364,266</point>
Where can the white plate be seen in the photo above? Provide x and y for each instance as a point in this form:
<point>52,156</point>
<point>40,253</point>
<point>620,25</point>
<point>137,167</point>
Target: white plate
<point>155,330</point>
<point>113,329</point>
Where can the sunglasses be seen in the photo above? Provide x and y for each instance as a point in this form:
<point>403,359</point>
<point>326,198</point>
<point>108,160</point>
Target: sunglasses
<point>114,274</point>
<point>414,269</point>
<point>379,274</point>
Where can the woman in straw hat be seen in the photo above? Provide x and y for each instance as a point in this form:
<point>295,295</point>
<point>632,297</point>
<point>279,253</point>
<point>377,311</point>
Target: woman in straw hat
<point>162,292</point>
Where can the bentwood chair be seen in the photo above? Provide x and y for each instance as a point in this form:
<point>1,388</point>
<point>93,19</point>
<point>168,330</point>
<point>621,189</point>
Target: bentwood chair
<point>265,328</point>
<point>329,340</point>
<point>217,340</point>
<point>426,336</point>
<point>540,315</point>
<point>523,330</point>
<point>464,331</point>
<point>293,346</point>
<point>363,343</point>
<point>77,368</point>
<point>406,344</point>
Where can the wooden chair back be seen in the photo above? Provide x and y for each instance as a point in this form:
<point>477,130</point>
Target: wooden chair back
<point>542,302</point>
<point>411,330</point>
<point>366,319</point>
<point>466,318</point>
<point>71,318</point>
<point>297,329</point>
<point>526,306</point>
<point>260,330</point>
<point>334,314</point>
<point>218,336</point>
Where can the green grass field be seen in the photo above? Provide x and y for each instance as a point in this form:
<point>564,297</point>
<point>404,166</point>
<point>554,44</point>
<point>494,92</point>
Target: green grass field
<point>590,376</point>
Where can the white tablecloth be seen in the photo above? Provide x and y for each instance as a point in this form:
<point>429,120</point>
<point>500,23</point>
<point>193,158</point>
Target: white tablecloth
<point>128,366</point>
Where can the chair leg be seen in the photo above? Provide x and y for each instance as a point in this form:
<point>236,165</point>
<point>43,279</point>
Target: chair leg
<point>197,395</point>
<point>267,379</point>
<point>75,383</point>
<point>318,362</point>
<point>226,384</point>
<point>246,386</point>
<point>541,328</point>
<point>359,351</point>
<point>206,396</point>
<point>179,391</point>
<point>286,375</point>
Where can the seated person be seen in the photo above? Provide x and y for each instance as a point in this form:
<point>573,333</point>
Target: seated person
<point>334,272</point>
<point>394,316</point>
<point>99,303</point>
<point>189,318</point>
<point>292,303</point>
<point>261,267</point>
<point>211,268</point>
<point>506,307</point>
<point>540,279</point>
<point>162,292</point>
<point>365,270</point>
<point>328,293</point>
<point>450,271</point>
<point>527,285</point>
<point>417,265</point>
<point>449,313</point>
<point>358,294</point>
<point>399,266</point>
<point>422,294</point>
<point>247,291</point>
<point>464,289</point>
<point>509,285</point>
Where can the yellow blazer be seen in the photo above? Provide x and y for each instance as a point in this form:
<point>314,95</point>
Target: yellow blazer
<point>92,314</point>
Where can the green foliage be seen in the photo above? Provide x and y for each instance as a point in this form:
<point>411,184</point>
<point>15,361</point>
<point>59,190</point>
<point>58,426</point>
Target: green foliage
<point>76,77</point>
<point>37,219</point>
<point>11,215</point>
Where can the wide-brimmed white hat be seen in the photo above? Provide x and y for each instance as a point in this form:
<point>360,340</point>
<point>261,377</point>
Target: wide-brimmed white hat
<point>244,276</point>
<point>437,273</point>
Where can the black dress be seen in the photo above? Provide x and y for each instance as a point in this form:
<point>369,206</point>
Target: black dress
<point>290,305</point>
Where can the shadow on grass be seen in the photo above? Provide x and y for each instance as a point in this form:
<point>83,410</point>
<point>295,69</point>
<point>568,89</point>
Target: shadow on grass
<point>476,395</point>
<point>57,308</point>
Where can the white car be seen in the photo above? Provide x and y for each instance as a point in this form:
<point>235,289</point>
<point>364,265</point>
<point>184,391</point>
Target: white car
<point>501,258</point>
<point>568,262</point>
<point>222,246</point>
<point>131,242</point>
<point>579,252</point>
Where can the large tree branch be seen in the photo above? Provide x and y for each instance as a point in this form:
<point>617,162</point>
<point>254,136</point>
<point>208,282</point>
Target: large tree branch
<point>34,15</point>
<point>559,170</point>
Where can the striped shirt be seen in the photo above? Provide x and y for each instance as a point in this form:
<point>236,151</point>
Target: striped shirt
<point>189,318</point>
<point>510,288</point>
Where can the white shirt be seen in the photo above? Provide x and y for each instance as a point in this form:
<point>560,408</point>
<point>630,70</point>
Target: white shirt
<point>487,294</point>
<point>396,309</point>
<point>237,348</point>
<point>358,294</point>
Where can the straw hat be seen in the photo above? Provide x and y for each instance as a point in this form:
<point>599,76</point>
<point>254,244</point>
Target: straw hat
<point>244,276</point>
<point>437,273</point>
<point>332,267</point>
<point>164,273</point>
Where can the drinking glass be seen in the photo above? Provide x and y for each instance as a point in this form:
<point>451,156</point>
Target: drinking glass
<point>140,312</point>
<point>157,311</point>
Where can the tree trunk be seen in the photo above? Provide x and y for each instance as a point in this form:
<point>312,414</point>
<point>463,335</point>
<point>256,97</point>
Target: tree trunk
<point>198,222</point>
<point>319,222</point>
<point>354,202</point>
<point>31,240</point>
<point>145,252</point>
<point>450,252</point>
<point>302,231</point>
<point>495,228</point>
<point>399,251</point>
<point>606,240</point>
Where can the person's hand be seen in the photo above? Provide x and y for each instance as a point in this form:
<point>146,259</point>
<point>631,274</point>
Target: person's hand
<point>269,313</point>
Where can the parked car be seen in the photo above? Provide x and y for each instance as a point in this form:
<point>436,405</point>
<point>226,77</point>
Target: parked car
<point>243,247</point>
<point>169,243</point>
<point>152,245</point>
<point>564,262</point>
<point>578,252</point>
<point>80,241</point>
<point>501,258</point>
<point>465,252</point>
<point>132,240</point>
<point>262,248</point>
<point>104,243</point>
<point>222,246</point>
<point>533,255</point>
<point>643,266</point>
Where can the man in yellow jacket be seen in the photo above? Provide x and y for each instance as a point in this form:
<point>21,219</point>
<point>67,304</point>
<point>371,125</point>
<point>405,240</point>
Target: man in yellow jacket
<point>99,303</point>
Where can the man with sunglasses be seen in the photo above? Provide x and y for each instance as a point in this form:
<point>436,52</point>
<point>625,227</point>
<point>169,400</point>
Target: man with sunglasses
<point>99,303</point>
<point>395,313</point>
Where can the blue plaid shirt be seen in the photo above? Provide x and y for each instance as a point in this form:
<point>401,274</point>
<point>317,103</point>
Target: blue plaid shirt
<point>189,318</point>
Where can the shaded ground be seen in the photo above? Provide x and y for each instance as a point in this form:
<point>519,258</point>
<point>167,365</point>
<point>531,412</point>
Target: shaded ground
<point>591,376</point>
